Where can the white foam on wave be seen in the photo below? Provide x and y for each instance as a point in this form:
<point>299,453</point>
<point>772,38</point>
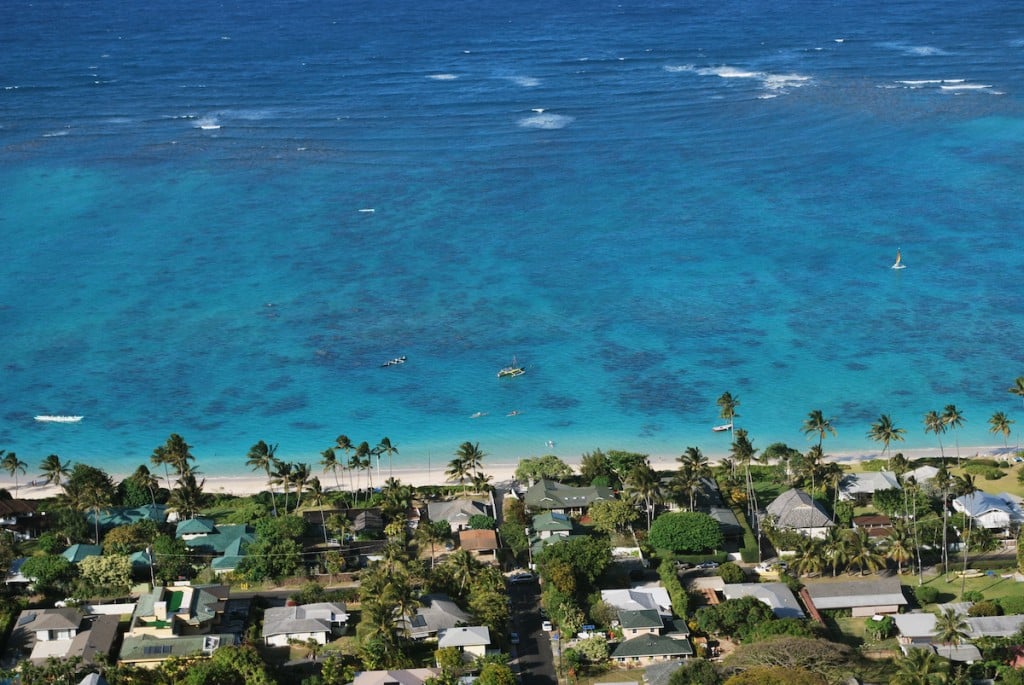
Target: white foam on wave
<point>56,134</point>
<point>546,121</point>
<point>948,85</point>
<point>914,50</point>
<point>965,86</point>
<point>207,123</point>
<point>775,83</point>
<point>442,77</point>
<point>525,81</point>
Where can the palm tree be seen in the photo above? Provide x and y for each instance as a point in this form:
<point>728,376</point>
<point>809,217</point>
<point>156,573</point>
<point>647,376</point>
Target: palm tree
<point>345,445</point>
<point>1000,423</point>
<point>363,458</point>
<point>863,552</point>
<point>481,482</point>
<point>282,475</point>
<point>899,546</point>
<point>810,558</point>
<point>950,627</point>
<point>54,471</point>
<point>261,458</point>
<point>727,404</point>
<point>966,486</point>
<point>385,447</point>
<point>933,423</point>
<point>817,423</point>
<point>463,567</point>
<point>12,465</point>
<point>742,450</point>
<point>329,460</point>
<point>944,482</point>
<point>316,493</point>
<point>643,486</point>
<point>160,458</point>
<point>920,666</point>
<point>143,478</point>
<point>884,431</point>
<point>954,418</point>
<point>694,468</point>
<point>178,454</point>
<point>300,479</point>
<point>457,471</point>
<point>471,454</point>
<point>1018,388</point>
<point>187,498</point>
<point>832,477</point>
<point>813,464</point>
<point>835,548</point>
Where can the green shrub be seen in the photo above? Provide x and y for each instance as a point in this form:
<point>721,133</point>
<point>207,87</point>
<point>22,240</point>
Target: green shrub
<point>731,573</point>
<point>925,594</point>
<point>985,608</point>
<point>881,629</point>
<point>973,596</point>
<point>676,592</point>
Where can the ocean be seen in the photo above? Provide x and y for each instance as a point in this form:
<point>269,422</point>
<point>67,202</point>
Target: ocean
<point>645,204</point>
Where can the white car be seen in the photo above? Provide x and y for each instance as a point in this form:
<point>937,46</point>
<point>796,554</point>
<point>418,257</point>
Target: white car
<point>546,626</point>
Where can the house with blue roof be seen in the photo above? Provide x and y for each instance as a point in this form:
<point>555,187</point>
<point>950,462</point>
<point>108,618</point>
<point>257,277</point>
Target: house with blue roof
<point>75,553</point>
<point>126,516</point>
<point>227,542</point>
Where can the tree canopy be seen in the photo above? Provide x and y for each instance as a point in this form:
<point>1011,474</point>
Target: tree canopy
<point>686,531</point>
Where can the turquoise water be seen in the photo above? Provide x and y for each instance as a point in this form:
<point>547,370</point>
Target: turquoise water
<point>645,206</point>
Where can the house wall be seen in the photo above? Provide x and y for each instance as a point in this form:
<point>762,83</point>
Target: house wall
<point>993,519</point>
<point>282,640</point>
<point>863,612</point>
<point>633,632</point>
<point>643,660</point>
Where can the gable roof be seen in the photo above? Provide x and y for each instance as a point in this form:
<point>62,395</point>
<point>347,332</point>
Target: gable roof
<point>455,512</point>
<point>196,526</point>
<point>126,516</point>
<point>980,503</point>
<point>636,599</point>
<point>659,673</point>
<point>75,553</point>
<point>464,636</point>
<point>410,676</point>
<point>17,507</point>
<point>478,540</point>
<point>796,509</point>
<point>857,593</point>
<point>149,648</point>
<point>921,474</point>
<point>652,645</point>
<point>229,538</point>
<point>640,618</point>
<point>305,618</point>
<point>550,494</point>
<point>868,482</point>
<point>553,521</point>
<point>436,613</point>
<point>776,595</point>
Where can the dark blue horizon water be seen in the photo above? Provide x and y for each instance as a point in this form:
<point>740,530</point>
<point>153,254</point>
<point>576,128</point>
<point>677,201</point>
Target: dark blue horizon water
<point>646,204</point>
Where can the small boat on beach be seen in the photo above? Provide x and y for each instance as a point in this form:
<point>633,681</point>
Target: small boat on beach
<point>512,371</point>
<point>898,264</point>
<point>47,418</point>
<point>724,427</point>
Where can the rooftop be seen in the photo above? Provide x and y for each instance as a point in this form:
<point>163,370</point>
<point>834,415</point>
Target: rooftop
<point>652,645</point>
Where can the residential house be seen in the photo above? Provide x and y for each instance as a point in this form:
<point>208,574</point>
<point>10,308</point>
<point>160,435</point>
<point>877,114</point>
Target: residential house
<point>20,517</point>
<point>862,485</point>
<point>126,516</point>
<point>472,641</point>
<point>776,596</point>
<point>75,553</point>
<point>877,525</point>
<point>166,612</point>
<point>226,542</point>
<point>321,622</point>
<point>456,512</point>
<point>368,522</point>
<point>798,511</point>
<point>919,627</point>
<point>553,523</point>
<point>660,672</point>
<point>639,598</point>
<point>482,544</point>
<point>436,613</point>
<point>148,651</point>
<point>648,649</point>
<point>727,523</point>
<point>991,511</point>
<point>411,676</point>
<point>922,474</point>
<point>634,622</point>
<point>550,495</point>
<point>14,574</point>
<point>40,634</point>
<point>865,597</point>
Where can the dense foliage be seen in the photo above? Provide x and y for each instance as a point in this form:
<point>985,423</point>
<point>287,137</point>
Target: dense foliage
<point>686,531</point>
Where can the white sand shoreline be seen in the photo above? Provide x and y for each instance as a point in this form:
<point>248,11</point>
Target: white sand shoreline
<point>499,471</point>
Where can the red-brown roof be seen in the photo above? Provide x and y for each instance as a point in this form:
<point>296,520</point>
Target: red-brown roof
<point>478,540</point>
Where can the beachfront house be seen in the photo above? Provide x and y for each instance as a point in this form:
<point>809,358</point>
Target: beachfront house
<point>20,517</point>
<point>322,622</point>
<point>993,512</point>
<point>796,510</point>
<point>457,512</point>
<point>861,486</point>
<point>550,495</point>
<point>226,543</point>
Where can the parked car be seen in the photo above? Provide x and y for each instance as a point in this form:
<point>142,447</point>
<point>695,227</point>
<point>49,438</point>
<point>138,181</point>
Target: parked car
<point>514,638</point>
<point>522,577</point>
<point>708,564</point>
<point>546,626</point>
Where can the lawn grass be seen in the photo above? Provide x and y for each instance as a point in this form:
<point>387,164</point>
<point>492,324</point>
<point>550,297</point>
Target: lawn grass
<point>991,587</point>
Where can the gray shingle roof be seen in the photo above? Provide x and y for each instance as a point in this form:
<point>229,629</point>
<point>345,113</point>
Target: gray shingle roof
<point>857,593</point>
<point>438,612</point>
<point>652,645</point>
<point>796,509</point>
<point>306,618</point>
<point>464,636</point>
<point>550,494</point>
<point>776,595</point>
<point>642,618</point>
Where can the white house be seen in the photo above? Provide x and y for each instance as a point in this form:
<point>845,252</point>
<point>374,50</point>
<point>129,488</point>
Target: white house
<point>639,598</point>
<point>319,621</point>
<point>471,640</point>
<point>867,483</point>
<point>796,510</point>
<point>991,511</point>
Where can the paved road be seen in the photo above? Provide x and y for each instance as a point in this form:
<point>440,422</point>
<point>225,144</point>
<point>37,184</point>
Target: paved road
<point>534,659</point>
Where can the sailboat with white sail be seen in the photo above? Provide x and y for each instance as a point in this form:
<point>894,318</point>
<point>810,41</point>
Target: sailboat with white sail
<point>898,264</point>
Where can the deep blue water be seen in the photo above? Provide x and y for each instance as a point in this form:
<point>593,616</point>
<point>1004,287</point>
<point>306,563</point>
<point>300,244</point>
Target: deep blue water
<point>645,203</point>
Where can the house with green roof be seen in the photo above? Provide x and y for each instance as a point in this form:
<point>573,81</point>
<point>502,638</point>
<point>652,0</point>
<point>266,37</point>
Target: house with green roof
<point>227,542</point>
<point>148,651</point>
<point>635,622</point>
<point>549,523</point>
<point>75,553</point>
<point>649,649</point>
<point>550,495</point>
<point>126,516</point>
<point>189,529</point>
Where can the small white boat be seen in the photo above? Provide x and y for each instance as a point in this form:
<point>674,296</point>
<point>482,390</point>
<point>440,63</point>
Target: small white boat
<point>46,418</point>
<point>724,427</point>
<point>512,371</point>
<point>898,264</point>
<point>394,362</point>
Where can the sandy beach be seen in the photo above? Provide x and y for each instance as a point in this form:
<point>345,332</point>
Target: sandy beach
<point>499,471</point>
